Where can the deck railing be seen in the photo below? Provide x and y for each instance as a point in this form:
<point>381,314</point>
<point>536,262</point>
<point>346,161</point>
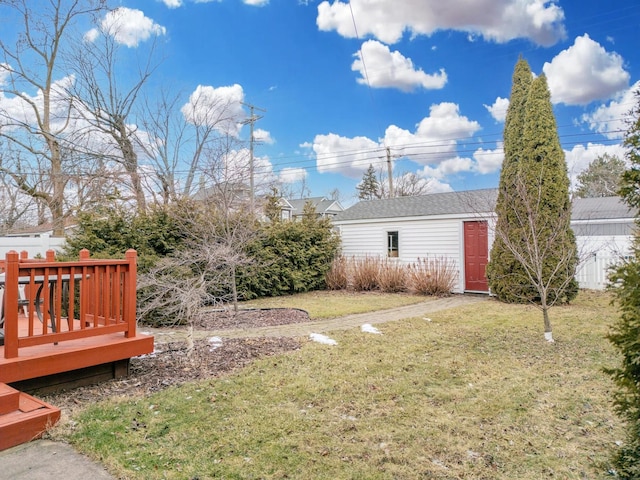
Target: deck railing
<point>66,300</point>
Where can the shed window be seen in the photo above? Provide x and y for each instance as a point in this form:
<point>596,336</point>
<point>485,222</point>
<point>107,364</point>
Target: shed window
<point>392,244</point>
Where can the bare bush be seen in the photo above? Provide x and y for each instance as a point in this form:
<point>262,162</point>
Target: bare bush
<point>364,273</point>
<point>392,277</point>
<point>337,278</point>
<point>432,276</point>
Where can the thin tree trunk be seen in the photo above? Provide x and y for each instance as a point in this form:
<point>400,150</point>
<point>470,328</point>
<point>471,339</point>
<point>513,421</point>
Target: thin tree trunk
<point>234,290</point>
<point>548,334</point>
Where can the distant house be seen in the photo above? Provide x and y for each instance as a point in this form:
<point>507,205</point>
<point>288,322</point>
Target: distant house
<point>226,193</point>
<point>323,206</point>
<point>34,240</point>
<point>70,224</point>
<point>459,226</point>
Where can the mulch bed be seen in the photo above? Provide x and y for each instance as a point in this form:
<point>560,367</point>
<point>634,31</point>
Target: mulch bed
<point>251,318</point>
<point>171,365</point>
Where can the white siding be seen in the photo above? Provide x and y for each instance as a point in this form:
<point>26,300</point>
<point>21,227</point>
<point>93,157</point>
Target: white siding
<point>419,238</point>
<point>444,237</point>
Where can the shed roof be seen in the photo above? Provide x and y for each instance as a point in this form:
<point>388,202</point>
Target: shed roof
<point>449,203</point>
<point>472,202</point>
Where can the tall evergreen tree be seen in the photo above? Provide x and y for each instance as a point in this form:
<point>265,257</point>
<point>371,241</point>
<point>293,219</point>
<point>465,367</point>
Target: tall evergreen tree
<point>626,331</point>
<point>504,271</point>
<point>533,226</point>
<point>369,187</point>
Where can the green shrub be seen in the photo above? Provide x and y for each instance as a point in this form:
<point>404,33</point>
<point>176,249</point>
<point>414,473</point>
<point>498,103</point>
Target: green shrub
<point>109,233</point>
<point>289,257</point>
<point>625,335</point>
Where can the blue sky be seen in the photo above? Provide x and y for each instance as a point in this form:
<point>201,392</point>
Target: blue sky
<point>425,78</point>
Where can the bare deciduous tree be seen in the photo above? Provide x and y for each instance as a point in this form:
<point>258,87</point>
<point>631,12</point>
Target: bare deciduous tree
<point>36,122</point>
<point>106,94</point>
<point>533,238</point>
<point>217,227</point>
<point>178,143</point>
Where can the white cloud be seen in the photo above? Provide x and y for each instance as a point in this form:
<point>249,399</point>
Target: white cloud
<point>437,186</point>
<point>263,136</point>
<point>237,167</point>
<point>448,167</point>
<point>220,108</point>
<point>579,157</point>
<point>348,156</point>
<point>387,69</point>
<point>610,120</point>
<point>18,109</point>
<point>292,175</point>
<point>499,109</point>
<point>92,35</point>
<point>172,3</point>
<point>488,161</point>
<point>495,20</point>
<point>128,26</point>
<point>585,72</point>
<point>433,142</point>
<point>256,3</point>
<point>436,136</point>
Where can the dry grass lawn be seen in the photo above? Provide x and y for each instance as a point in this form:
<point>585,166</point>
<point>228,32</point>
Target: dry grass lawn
<point>474,393</point>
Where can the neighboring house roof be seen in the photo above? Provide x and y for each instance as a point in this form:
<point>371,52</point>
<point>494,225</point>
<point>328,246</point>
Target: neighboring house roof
<point>472,202</point>
<point>449,203</point>
<point>321,204</point>
<point>285,204</point>
<point>43,229</point>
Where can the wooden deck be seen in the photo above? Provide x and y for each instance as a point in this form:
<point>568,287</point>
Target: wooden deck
<point>62,321</point>
<point>67,356</point>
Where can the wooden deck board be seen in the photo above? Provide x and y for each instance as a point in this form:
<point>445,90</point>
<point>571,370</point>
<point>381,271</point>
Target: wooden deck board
<point>42,360</point>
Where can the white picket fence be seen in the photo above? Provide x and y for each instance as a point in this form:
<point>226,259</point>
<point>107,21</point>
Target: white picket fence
<point>35,246</point>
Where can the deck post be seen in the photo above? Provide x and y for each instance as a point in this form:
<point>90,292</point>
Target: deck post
<point>12,260</point>
<point>130,293</point>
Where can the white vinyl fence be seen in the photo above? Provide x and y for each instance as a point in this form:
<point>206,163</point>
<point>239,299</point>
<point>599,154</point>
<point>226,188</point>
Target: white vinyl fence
<point>593,272</point>
<point>598,255</point>
<point>35,246</point>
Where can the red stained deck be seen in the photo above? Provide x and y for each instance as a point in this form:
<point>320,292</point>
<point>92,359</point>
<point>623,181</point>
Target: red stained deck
<point>50,358</point>
<point>62,319</point>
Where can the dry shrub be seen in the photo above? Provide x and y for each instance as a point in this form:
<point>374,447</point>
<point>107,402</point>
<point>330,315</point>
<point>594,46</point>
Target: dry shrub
<point>337,278</point>
<point>364,273</point>
<point>432,276</point>
<point>392,277</point>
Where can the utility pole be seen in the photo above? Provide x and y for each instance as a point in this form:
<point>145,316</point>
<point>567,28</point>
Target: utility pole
<point>251,121</point>
<point>390,172</point>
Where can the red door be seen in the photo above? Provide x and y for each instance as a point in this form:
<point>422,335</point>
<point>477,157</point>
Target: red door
<point>476,255</point>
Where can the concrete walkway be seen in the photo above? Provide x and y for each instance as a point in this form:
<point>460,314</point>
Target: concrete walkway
<point>44,459</point>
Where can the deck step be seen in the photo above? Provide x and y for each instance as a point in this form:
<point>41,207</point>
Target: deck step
<point>9,399</point>
<point>22,417</point>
